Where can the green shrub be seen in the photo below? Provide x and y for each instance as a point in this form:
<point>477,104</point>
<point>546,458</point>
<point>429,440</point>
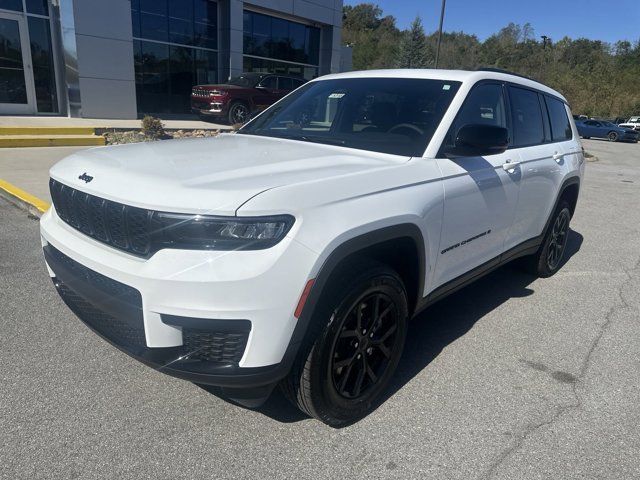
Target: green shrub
<point>152,127</point>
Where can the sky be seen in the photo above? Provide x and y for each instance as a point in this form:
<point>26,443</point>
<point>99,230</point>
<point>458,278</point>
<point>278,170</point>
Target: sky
<point>607,20</point>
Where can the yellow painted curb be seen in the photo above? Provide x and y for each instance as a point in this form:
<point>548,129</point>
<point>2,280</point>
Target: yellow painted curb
<point>47,131</point>
<point>12,141</point>
<point>24,197</point>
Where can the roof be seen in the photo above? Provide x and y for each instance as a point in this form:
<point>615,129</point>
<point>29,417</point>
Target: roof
<point>464,76</point>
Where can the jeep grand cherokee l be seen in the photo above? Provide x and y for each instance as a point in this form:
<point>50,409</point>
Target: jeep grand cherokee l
<point>235,101</point>
<point>295,251</point>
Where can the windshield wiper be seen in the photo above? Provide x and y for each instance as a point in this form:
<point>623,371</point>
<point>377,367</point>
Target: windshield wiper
<point>319,139</point>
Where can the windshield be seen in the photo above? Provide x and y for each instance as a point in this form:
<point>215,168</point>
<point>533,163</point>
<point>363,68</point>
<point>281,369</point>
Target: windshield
<point>248,80</point>
<point>387,115</point>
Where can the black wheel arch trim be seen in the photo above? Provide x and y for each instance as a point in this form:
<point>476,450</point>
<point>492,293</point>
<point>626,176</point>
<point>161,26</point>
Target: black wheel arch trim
<point>336,257</point>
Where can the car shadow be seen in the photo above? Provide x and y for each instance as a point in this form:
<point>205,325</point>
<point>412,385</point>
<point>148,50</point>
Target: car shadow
<point>439,326</point>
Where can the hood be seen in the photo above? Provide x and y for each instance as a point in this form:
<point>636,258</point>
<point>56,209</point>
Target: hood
<point>207,175</point>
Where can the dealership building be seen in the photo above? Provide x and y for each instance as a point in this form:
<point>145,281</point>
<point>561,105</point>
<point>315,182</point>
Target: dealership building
<point>126,58</point>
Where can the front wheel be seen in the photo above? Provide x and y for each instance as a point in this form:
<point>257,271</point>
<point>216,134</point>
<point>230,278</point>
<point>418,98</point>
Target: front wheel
<point>238,113</point>
<point>613,137</point>
<point>356,339</point>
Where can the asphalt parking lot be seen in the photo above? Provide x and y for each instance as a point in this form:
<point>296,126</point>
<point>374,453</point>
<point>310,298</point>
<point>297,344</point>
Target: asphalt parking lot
<point>511,378</point>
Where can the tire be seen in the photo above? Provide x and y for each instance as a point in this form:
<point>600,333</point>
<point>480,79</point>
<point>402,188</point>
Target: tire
<point>548,259</point>
<point>348,358</point>
<point>238,113</point>
<point>586,138</point>
<point>612,136</point>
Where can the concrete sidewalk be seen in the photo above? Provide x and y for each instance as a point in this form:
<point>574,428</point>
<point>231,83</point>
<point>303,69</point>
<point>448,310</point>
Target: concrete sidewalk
<point>100,123</point>
<point>28,168</point>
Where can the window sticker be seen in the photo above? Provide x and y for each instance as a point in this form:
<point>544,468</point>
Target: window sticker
<point>446,87</point>
<point>337,95</point>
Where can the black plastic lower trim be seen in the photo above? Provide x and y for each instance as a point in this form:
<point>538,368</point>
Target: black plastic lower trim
<point>108,307</point>
<point>526,248</point>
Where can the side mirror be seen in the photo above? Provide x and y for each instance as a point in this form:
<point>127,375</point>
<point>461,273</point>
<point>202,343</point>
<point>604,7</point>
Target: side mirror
<point>479,141</point>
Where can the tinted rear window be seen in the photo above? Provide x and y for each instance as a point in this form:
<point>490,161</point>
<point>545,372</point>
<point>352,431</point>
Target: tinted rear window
<point>528,128</point>
<point>560,126</point>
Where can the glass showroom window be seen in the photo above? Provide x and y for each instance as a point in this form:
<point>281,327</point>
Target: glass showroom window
<point>40,44</point>
<point>175,44</point>
<point>275,45</point>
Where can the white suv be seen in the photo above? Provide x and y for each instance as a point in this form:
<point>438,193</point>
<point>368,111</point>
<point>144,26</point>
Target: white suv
<point>295,251</point>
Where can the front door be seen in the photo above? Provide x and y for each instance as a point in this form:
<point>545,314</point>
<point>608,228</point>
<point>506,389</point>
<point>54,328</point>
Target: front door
<point>16,75</point>
<point>266,93</point>
<point>480,193</point>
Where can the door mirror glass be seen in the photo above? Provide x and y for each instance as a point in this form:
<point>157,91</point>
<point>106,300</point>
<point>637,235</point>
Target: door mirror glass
<point>475,140</point>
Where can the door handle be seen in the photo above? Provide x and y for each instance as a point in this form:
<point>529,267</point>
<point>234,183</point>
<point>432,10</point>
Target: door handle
<point>510,166</point>
<point>558,157</point>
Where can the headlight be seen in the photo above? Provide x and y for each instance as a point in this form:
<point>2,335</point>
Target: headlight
<point>204,232</point>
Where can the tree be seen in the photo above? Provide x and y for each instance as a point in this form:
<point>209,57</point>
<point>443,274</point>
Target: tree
<point>412,52</point>
<point>598,79</point>
<point>374,38</point>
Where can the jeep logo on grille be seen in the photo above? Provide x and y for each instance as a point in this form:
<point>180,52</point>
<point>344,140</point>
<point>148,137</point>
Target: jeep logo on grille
<point>85,177</point>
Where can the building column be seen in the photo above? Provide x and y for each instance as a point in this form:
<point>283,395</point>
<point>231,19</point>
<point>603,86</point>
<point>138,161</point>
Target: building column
<point>230,41</point>
<point>330,49</point>
<point>98,49</point>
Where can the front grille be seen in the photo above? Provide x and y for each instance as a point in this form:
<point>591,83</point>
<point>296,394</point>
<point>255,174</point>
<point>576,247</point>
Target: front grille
<point>200,92</point>
<point>219,347</point>
<point>121,226</point>
<point>114,310</point>
<point>112,288</point>
<point>125,332</point>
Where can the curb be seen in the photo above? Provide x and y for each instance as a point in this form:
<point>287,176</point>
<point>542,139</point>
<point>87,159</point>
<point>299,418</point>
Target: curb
<point>22,199</point>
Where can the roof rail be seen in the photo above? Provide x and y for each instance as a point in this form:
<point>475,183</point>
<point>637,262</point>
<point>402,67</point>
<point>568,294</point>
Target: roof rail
<point>501,70</point>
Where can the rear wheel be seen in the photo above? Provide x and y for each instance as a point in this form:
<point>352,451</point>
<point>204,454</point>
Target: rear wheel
<point>357,337</point>
<point>613,136</point>
<point>548,259</point>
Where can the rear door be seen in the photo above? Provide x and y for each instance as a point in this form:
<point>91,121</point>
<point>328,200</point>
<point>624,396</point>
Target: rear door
<point>542,138</point>
<point>285,85</point>
<point>594,128</point>
<point>481,193</point>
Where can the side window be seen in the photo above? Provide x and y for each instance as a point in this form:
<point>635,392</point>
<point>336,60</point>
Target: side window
<point>285,83</point>
<point>560,126</point>
<point>484,105</point>
<point>270,82</point>
<point>526,117</point>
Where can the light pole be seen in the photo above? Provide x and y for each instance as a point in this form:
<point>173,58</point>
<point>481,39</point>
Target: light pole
<point>444,3</point>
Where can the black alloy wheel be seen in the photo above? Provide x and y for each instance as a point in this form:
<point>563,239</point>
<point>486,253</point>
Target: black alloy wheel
<point>238,113</point>
<point>558,239</point>
<point>353,345</point>
<point>363,346</point>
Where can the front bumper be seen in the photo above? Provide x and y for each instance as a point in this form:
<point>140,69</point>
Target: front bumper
<point>209,107</point>
<point>217,318</point>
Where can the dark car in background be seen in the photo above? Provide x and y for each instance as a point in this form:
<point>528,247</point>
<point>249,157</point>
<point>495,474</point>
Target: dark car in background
<point>604,129</point>
<point>242,96</point>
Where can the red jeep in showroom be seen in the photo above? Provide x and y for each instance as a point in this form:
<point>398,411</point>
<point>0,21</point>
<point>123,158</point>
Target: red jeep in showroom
<point>243,95</point>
